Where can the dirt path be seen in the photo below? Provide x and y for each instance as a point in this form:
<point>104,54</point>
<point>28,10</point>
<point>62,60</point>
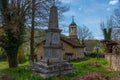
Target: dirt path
<point>95,76</point>
<point>6,77</point>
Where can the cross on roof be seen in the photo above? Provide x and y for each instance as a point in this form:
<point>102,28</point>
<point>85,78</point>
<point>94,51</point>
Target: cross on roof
<point>73,18</point>
<point>53,2</point>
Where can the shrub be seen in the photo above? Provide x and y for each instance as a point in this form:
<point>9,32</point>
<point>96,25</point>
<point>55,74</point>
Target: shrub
<point>94,55</point>
<point>21,56</point>
<point>3,57</point>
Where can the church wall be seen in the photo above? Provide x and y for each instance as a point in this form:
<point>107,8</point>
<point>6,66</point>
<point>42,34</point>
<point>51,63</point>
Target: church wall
<point>78,53</point>
<point>66,49</point>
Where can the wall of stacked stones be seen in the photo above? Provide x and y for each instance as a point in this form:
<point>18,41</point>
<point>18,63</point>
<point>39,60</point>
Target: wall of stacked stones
<point>114,59</point>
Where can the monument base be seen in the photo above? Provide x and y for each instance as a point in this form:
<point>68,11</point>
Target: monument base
<point>48,70</point>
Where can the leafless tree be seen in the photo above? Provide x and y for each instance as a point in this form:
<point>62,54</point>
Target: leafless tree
<point>111,26</point>
<point>40,14</point>
<point>116,26</point>
<point>84,34</point>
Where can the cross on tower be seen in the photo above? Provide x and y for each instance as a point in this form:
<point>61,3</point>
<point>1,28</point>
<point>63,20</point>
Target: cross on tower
<point>53,2</point>
<point>73,18</point>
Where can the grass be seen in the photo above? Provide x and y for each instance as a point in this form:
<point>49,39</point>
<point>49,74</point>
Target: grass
<point>3,65</point>
<point>23,72</point>
<point>84,68</point>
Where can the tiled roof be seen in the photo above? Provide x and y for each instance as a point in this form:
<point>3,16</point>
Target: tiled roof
<point>71,42</point>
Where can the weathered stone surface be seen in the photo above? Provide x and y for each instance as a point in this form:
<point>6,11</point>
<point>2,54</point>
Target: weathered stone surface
<point>114,61</point>
<point>114,58</point>
<point>45,69</point>
<point>53,20</point>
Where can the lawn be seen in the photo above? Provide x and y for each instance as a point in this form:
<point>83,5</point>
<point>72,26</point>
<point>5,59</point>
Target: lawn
<point>23,72</point>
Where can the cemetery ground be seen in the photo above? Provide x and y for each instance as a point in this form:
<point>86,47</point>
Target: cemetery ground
<point>88,69</point>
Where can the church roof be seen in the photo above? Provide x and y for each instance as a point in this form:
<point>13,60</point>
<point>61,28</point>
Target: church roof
<point>73,24</point>
<point>69,41</point>
<point>72,42</point>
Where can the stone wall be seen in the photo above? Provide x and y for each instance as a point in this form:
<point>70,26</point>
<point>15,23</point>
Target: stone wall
<point>113,61</point>
<point>114,58</point>
<point>78,53</point>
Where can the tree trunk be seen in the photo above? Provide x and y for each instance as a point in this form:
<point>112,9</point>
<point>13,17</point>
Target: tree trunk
<point>12,57</point>
<point>32,32</point>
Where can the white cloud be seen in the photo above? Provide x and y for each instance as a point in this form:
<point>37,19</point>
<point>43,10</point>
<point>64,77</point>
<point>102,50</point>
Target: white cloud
<point>113,2</point>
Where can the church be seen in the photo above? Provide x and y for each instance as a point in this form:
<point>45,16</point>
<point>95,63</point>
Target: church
<point>71,47</point>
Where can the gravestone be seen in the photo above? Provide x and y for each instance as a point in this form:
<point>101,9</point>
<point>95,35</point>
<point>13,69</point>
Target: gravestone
<point>52,63</point>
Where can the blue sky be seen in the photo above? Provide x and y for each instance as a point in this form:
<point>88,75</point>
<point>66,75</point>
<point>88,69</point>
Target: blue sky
<point>89,13</point>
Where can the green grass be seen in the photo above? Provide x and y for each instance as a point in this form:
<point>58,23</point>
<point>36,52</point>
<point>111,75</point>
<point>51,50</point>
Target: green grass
<point>23,72</point>
<point>3,65</point>
<point>83,68</point>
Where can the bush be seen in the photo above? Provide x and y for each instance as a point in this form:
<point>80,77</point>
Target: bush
<point>95,55</point>
<point>21,56</point>
<point>3,57</point>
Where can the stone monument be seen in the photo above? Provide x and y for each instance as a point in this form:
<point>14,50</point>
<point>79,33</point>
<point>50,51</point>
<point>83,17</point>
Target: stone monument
<point>52,63</point>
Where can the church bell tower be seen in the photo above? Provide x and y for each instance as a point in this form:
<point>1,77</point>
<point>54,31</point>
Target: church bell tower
<point>73,30</point>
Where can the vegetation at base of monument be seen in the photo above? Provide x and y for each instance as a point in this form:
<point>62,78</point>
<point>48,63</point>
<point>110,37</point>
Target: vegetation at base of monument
<point>85,66</point>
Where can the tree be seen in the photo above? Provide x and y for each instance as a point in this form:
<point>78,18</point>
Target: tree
<point>107,28</point>
<point>32,31</point>
<point>84,33</point>
<point>116,26</point>
<point>112,27</point>
<point>42,10</point>
<point>13,15</point>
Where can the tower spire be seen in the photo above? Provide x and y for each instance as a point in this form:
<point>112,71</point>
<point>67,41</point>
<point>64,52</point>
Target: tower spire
<point>72,18</point>
<point>53,2</point>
